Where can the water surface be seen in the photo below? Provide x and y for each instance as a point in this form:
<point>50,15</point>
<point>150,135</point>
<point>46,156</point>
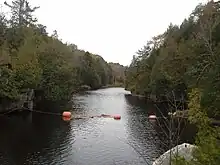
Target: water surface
<point>45,139</point>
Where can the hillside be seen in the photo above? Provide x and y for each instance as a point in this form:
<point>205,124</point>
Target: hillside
<point>118,73</point>
<point>182,64</point>
<point>30,58</point>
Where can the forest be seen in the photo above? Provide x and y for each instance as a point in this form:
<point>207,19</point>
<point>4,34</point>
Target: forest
<point>182,58</point>
<point>30,58</point>
<point>183,63</point>
<point>118,72</point>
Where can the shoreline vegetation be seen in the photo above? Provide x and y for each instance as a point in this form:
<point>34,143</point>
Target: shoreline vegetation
<point>182,64</point>
<point>31,59</point>
<point>181,59</point>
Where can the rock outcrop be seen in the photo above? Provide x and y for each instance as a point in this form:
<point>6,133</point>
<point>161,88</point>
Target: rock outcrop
<point>25,101</point>
<point>184,150</point>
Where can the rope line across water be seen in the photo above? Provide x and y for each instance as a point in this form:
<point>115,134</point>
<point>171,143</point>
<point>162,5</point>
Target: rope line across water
<point>60,114</point>
<point>26,109</point>
<point>56,114</point>
<point>49,113</point>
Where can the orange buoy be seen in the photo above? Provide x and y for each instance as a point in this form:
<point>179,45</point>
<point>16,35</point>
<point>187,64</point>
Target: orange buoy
<point>117,117</point>
<point>67,114</point>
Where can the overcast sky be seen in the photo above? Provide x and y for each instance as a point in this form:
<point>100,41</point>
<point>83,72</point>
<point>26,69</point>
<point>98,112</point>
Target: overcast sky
<point>114,29</point>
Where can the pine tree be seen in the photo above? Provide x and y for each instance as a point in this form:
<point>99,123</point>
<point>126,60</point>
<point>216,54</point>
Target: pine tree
<point>22,13</point>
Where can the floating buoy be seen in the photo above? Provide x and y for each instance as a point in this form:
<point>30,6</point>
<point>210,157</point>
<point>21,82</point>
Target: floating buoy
<point>152,117</point>
<point>117,117</point>
<point>67,114</point>
<point>66,118</point>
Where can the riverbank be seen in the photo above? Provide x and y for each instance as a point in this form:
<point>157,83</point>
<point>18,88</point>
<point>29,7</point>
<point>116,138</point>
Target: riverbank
<point>156,99</point>
<point>184,115</point>
<point>93,141</point>
<point>42,62</point>
<point>24,101</point>
<point>30,99</point>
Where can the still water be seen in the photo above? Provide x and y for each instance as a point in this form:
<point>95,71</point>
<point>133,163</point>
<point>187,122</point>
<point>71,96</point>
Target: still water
<point>45,139</point>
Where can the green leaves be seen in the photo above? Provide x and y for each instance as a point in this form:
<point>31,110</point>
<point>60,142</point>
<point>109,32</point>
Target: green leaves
<point>182,55</point>
<point>21,13</point>
<point>43,62</point>
<point>9,88</point>
<point>57,73</point>
<point>186,63</point>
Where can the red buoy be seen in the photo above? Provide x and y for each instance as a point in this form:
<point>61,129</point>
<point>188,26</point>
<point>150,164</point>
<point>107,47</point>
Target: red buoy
<point>66,118</point>
<point>117,117</point>
<point>67,114</point>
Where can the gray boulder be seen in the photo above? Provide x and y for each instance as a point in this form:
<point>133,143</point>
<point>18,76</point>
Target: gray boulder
<point>184,150</point>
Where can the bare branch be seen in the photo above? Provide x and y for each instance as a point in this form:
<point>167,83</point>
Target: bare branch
<point>202,72</point>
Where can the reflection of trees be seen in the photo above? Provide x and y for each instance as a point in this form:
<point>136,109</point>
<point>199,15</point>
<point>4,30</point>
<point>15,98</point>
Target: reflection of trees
<point>79,105</point>
<point>150,107</point>
<point>143,135</point>
<point>136,101</point>
<point>55,107</point>
<point>41,141</point>
<point>148,132</point>
<point>186,132</point>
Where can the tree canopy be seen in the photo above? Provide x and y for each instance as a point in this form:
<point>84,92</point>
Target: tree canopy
<point>183,62</point>
<point>43,62</point>
<point>180,59</point>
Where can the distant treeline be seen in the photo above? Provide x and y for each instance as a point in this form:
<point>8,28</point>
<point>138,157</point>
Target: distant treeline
<point>30,58</point>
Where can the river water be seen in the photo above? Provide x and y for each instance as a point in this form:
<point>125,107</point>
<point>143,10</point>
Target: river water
<point>45,139</point>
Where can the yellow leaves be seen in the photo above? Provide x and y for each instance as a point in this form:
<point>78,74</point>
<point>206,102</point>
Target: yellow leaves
<point>197,114</point>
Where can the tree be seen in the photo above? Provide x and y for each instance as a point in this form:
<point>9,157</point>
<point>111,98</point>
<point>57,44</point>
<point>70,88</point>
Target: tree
<point>185,62</point>
<point>55,34</point>
<point>208,149</point>
<point>21,13</point>
<point>30,58</point>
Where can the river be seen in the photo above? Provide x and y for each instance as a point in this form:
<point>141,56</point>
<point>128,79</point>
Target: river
<point>45,139</point>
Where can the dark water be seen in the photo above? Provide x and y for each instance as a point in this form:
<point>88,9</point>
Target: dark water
<point>44,139</point>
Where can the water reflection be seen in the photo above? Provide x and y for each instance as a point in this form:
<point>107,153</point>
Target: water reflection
<point>142,133</point>
<point>40,141</point>
<point>182,131</point>
<point>45,139</point>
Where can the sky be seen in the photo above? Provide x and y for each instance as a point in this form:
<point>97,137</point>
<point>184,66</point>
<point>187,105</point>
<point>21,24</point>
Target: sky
<point>114,29</point>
